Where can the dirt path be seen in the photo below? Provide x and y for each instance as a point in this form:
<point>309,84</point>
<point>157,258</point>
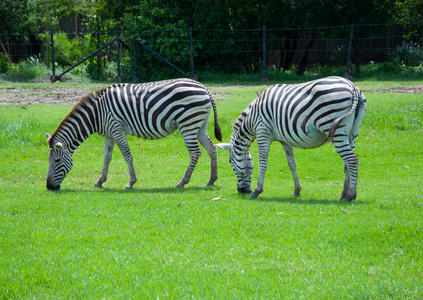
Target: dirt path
<point>70,95</point>
<point>65,95</point>
<point>53,95</point>
<point>418,89</point>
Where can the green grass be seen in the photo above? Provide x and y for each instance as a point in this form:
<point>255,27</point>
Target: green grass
<point>161,242</point>
<point>26,73</point>
<point>386,71</point>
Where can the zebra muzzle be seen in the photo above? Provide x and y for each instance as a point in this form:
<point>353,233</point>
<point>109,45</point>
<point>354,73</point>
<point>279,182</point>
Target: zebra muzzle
<point>50,185</point>
<point>244,189</point>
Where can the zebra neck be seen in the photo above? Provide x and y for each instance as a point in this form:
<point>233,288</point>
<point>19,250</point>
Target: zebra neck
<point>242,138</point>
<point>77,126</point>
<point>242,141</point>
<point>242,135</point>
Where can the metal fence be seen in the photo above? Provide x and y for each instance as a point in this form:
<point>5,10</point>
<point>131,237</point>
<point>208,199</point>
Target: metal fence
<point>192,51</point>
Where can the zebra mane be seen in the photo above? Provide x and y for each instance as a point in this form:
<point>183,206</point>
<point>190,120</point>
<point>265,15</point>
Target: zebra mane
<point>240,120</point>
<point>93,96</point>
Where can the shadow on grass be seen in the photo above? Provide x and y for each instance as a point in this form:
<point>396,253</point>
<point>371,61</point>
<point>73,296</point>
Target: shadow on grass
<point>246,197</point>
<point>168,190</point>
<point>307,201</point>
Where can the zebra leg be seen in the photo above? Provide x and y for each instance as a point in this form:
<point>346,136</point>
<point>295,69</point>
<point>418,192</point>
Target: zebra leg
<point>289,152</point>
<point>122,143</point>
<point>346,183</point>
<point>208,144</point>
<point>352,138</point>
<point>263,142</point>
<point>108,149</point>
<point>194,153</point>
<point>350,159</point>
<point>346,152</point>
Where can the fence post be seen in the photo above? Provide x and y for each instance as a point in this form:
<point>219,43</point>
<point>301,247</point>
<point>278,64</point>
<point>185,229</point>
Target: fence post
<point>134,61</point>
<point>118,77</point>
<point>53,77</point>
<point>348,68</point>
<point>53,69</point>
<point>264,75</point>
<point>191,47</point>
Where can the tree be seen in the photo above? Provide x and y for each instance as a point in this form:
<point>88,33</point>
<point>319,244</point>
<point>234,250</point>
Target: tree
<point>410,14</point>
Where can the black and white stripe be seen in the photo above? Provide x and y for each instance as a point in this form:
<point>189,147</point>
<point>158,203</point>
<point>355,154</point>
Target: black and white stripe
<point>150,111</point>
<point>305,115</point>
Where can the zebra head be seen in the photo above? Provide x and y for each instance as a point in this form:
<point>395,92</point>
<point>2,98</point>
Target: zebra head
<point>242,164</point>
<point>60,163</point>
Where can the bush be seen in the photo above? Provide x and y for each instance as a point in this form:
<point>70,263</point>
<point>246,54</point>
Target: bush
<point>409,54</point>
<point>66,51</point>
<point>4,64</point>
<point>26,70</point>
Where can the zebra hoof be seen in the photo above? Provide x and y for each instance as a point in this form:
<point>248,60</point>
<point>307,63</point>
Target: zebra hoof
<point>254,195</point>
<point>297,192</point>
<point>128,187</point>
<point>244,190</point>
<point>180,186</point>
<point>347,198</point>
<point>210,183</point>
<point>99,183</point>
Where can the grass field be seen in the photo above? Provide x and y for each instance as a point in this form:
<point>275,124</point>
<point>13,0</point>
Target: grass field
<point>157,241</point>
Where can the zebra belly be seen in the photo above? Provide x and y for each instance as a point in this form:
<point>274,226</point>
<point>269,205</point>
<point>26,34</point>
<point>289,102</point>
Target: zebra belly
<point>156,135</point>
<point>312,139</point>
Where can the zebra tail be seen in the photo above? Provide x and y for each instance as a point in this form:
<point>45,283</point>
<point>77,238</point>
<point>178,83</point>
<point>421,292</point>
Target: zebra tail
<point>217,131</point>
<point>336,122</point>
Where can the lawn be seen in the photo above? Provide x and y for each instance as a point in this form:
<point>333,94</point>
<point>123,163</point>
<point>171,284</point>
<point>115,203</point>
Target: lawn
<point>157,241</point>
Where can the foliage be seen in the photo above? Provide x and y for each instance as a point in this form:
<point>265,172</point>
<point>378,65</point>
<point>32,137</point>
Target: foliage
<point>164,26</point>
<point>409,54</point>
<point>26,70</point>
<point>66,51</point>
<point>218,46</point>
<point>31,17</point>
<point>14,17</point>
<point>161,242</point>
<point>4,63</point>
<point>370,71</point>
<point>410,14</point>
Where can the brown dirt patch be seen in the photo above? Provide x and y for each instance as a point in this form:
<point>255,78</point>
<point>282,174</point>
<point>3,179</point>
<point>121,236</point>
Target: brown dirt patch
<point>59,95</point>
<point>218,92</point>
<point>418,89</point>
<point>53,95</point>
<point>71,95</point>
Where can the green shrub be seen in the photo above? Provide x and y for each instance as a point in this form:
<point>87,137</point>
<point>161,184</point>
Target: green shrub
<point>66,52</point>
<point>409,54</point>
<point>4,64</point>
<point>26,70</point>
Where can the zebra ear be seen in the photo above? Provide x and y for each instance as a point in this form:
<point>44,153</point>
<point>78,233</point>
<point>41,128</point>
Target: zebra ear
<point>48,136</point>
<point>224,146</point>
<point>58,145</point>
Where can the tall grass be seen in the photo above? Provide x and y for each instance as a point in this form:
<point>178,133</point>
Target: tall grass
<point>27,70</point>
<point>409,54</point>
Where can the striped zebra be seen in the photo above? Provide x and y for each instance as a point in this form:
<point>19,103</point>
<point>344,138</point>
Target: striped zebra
<point>150,111</point>
<point>305,115</point>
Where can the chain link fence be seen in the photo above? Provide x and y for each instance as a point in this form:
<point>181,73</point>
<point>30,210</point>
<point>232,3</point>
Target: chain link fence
<point>135,56</point>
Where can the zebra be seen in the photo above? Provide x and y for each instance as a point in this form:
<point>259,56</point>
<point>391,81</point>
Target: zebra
<point>150,110</point>
<point>305,115</point>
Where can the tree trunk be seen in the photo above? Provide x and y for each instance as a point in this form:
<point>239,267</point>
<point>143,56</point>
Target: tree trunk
<point>5,52</point>
<point>288,51</point>
<point>302,63</point>
<point>356,59</point>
